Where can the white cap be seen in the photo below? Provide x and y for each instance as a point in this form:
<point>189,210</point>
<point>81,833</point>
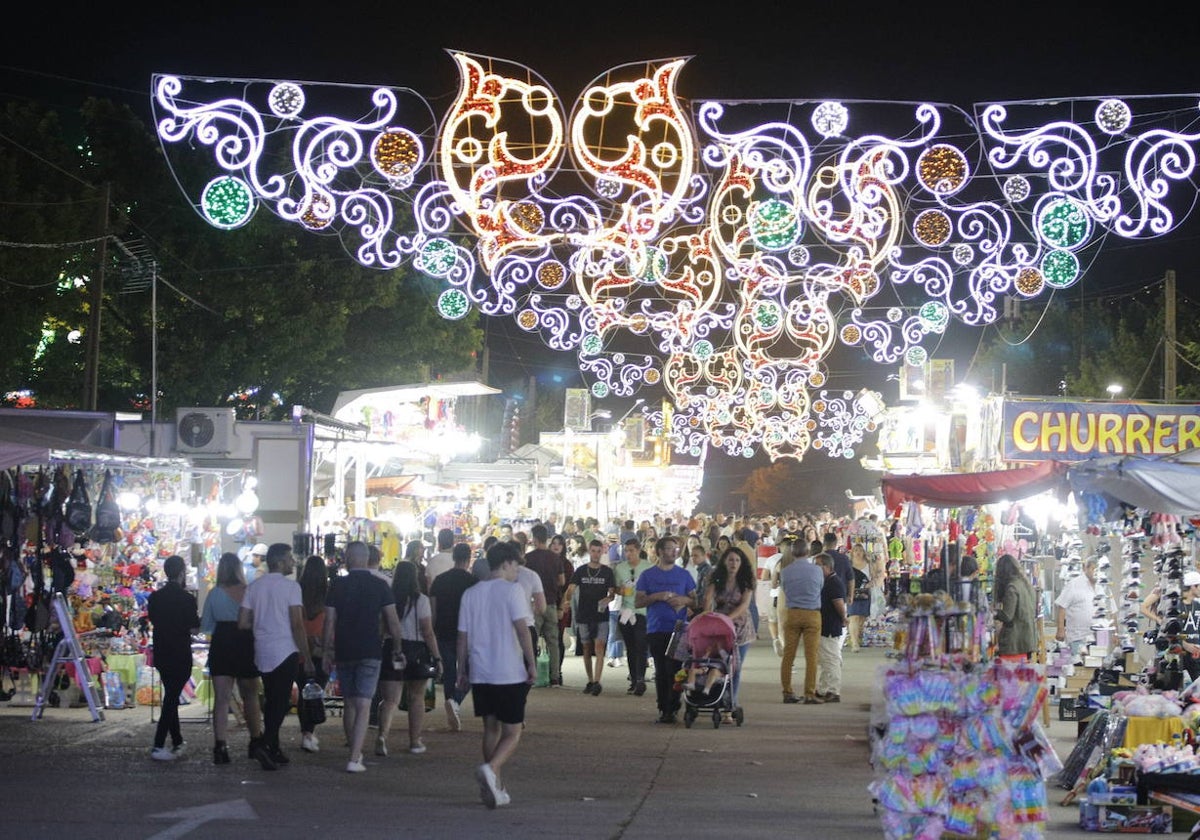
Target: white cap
<point>261,548</point>
<point>1191,578</point>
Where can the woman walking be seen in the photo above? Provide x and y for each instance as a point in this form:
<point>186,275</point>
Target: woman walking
<point>860,606</point>
<point>314,586</point>
<point>730,591</point>
<point>1015,611</point>
<point>230,655</point>
<point>416,632</point>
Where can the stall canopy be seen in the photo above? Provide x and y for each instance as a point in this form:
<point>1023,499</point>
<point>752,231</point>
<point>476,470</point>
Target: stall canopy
<point>19,447</point>
<point>1166,484</point>
<point>974,488</point>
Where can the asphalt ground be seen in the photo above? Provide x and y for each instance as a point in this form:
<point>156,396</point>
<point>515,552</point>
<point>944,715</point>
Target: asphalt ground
<point>587,767</point>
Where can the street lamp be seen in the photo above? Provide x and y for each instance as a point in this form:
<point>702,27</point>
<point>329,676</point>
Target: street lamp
<point>640,400</point>
<point>1113,390</point>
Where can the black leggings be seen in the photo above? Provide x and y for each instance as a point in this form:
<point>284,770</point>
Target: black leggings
<point>173,681</point>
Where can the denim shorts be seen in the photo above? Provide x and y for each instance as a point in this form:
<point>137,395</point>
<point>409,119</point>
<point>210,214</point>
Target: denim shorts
<point>359,677</point>
<point>594,631</point>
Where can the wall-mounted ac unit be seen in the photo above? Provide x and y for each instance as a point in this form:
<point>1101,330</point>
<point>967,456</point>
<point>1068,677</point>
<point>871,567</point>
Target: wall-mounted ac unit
<point>206,431</point>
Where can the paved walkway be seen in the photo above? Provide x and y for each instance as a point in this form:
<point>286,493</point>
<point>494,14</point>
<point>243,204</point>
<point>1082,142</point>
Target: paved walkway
<point>587,767</point>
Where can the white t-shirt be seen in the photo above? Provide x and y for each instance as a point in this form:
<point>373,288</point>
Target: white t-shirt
<point>410,624</point>
<point>271,596</point>
<point>1078,600</point>
<point>443,561</point>
<point>486,614</point>
<point>531,582</point>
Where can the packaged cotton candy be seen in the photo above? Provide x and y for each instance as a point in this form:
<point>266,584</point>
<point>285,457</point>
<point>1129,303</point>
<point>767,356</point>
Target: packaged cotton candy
<point>1151,705</point>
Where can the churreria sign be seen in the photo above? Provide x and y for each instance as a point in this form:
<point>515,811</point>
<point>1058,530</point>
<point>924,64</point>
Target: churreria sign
<point>1064,431</point>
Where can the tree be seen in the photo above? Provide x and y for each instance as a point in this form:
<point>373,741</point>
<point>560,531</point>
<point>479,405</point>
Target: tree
<point>261,317</point>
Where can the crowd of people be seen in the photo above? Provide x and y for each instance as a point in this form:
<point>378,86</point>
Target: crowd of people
<point>475,614</point>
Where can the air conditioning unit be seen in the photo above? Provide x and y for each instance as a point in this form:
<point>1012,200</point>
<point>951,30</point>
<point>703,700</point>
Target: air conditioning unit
<point>206,431</point>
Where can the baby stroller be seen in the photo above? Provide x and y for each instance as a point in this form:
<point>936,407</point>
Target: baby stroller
<point>711,644</point>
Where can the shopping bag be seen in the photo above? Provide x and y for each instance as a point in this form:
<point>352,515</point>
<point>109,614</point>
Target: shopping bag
<point>543,669</point>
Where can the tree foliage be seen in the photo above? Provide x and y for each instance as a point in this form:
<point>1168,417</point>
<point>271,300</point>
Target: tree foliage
<point>268,309</point>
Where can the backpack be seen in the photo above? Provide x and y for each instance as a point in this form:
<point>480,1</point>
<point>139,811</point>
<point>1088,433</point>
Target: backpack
<point>108,515</point>
<point>79,506</point>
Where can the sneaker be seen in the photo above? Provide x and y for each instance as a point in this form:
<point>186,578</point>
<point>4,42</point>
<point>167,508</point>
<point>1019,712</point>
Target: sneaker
<point>356,766</point>
<point>417,749</point>
<point>221,754</point>
<point>489,788</point>
<point>587,689</point>
<point>309,743</point>
<point>596,687</point>
<point>180,749</point>
<point>791,698</point>
<point>277,755</point>
<point>831,698</point>
<point>812,700</point>
<point>162,754</point>
<point>667,718</point>
<point>639,689</point>
<point>502,798</point>
<point>381,746</point>
<point>631,689</point>
<point>453,716</point>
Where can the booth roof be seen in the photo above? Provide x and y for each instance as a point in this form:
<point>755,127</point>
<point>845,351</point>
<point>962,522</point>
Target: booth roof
<point>1167,484</point>
<point>955,489</point>
<point>349,404</point>
<point>20,447</point>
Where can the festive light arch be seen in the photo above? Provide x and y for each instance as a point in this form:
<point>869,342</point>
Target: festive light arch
<point>717,251</point>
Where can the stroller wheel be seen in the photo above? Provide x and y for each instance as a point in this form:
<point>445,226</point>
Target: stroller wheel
<point>689,719</point>
<point>739,715</point>
<point>716,716</point>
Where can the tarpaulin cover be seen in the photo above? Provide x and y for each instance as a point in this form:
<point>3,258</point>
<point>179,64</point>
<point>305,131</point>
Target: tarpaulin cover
<point>1168,484</point>
<point>981,488</point>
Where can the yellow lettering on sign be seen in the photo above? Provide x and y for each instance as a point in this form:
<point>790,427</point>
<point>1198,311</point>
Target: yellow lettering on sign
<point>1164,424</point>
<point>1136,438</point>
<point>1189,432</point>
<point>1054,425</point>
<point>1108,439</point>
<point>1079,444</point>
<point>1021,438</point>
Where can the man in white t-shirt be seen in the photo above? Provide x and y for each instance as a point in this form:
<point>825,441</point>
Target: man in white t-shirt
<point>1075,609</point>
<point>272,608</point>
<point>443,560</point>
<point>495,657</point>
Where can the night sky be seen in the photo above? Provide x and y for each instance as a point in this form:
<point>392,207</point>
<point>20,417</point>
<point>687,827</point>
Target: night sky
<point>955,53</point>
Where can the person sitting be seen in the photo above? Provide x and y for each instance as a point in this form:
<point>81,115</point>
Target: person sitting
<point>712,666</point>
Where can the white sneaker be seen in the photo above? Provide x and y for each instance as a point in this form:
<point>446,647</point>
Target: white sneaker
<point>162,754</point>
<point>309,743</point>
<point>180,749</point>
<point>356,767</point>
<point>489,789</point>
<point>502,798</point>
<point>417,749</point>
<point>453,716</point>
<point>380,746</point>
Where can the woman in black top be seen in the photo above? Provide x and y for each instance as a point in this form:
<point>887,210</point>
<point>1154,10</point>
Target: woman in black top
<point>173,614</point>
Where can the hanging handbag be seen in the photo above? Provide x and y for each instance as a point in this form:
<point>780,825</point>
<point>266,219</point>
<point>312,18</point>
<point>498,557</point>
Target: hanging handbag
<point>79,506</point>
<point>108,515</point>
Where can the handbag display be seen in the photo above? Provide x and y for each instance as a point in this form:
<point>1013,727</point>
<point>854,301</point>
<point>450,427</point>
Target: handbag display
<point>79,506</point>
<point>108,514</point>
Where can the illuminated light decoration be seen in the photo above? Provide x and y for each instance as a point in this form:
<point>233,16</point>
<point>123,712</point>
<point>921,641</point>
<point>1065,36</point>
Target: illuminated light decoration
<point>1016,188</point>
<point>1063,222</point>
<point>1029,282</point>
<point>767,315</point>
<point>286,100</point>
<point>932,228</point>
<point>916,356</point>
<point>830,119</point>
<point>942,169</point>
<point>227,202</point>
<point>591,345</point>
<point>1060,269</point>
<point>1113,116</point>
<point>436,257</point>
<point>453,304</point>
<point>397,154</point>
<point>600,390</point>
<point>774,224</point>
<point>681,233</point>
<point>551,274</point>
<point>934,316</point>
<point>527,320</point>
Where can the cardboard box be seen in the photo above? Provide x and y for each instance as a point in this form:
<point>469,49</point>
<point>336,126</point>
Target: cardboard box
<point>1122,795</point>
<point>1135,819</point>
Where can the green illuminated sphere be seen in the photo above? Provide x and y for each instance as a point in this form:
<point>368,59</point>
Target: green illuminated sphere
<point>1064,223</point>
<point>591,345</point>
<point>227,202</point>
<point>1060,269</point>
<point>453,304</point>
<point>774,225</point>
<point>599,390</point>
<point>436,257</point>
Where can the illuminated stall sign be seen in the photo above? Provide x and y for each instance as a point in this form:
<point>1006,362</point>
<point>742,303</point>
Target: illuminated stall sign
<point>1066,431</point>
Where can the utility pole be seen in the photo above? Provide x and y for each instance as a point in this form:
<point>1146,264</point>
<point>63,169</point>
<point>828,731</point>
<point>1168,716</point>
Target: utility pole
<point>91,396</point>
<point>1169,329</point>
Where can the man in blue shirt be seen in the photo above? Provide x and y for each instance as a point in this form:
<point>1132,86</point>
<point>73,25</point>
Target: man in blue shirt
<point>801,582</point>
<point>666,591</point>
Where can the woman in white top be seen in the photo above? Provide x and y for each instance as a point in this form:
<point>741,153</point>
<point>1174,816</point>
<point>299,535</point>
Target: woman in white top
<point>416,625</point>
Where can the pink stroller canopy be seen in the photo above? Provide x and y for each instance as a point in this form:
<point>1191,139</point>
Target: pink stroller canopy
<point>708,629</point>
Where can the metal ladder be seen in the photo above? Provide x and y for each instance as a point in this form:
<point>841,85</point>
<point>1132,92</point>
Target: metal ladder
<point>68,650</point>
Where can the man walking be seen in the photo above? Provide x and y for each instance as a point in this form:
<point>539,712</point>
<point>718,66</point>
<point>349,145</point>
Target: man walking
<point>666,591</point>
<point>833,621</point>
<point>596,586</point>
<point>443,560</point>
<point>495,657</point>
<point>356,603</point>
<point>273,609</point>
<point>548,567</point>
<point>1075,608</point>
<point>632,620</point>
<point>801,583</point>
<point>445,598</point>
